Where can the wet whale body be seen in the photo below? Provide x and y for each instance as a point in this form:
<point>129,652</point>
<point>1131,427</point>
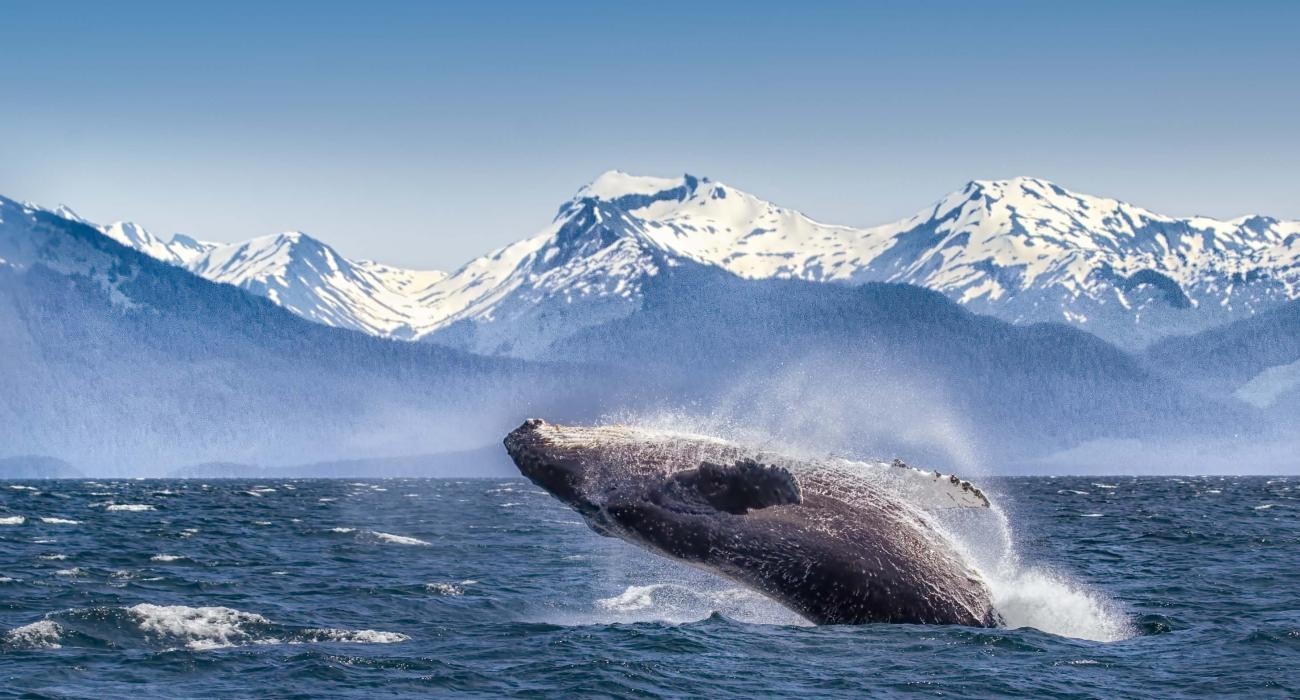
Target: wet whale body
<point>837,542</point>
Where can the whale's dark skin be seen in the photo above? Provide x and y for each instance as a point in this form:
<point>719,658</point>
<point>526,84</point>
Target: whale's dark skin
<point>834,554</point>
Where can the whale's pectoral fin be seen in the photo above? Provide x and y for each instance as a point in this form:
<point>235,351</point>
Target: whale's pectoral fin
<point>743,486</point>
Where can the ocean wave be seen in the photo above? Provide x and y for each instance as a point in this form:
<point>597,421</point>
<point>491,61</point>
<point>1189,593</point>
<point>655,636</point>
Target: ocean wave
<point>449,589</point>
<point>128,507</point>
<point>42,634</point>
<point>13,520</point>
<point>60,521</point>
<point>166,558</point>
<point>681,603</point>
<point>170,627</point>
<point>399,539</point>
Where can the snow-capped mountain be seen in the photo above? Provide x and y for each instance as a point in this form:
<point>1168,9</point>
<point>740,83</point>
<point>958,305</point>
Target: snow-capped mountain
<point>181,250</point>
<point>1024,250</point>
<point>312,280</point>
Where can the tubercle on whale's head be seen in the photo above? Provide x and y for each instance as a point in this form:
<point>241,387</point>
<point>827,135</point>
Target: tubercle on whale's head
<point>558,473</point>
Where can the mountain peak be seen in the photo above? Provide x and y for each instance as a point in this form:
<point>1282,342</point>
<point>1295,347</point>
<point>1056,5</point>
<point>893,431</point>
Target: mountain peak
<point>65,212</point>
<point>615,184</point>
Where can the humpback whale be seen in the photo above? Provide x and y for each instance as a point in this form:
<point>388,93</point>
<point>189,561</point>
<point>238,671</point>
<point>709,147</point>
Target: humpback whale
<point>837,542</point>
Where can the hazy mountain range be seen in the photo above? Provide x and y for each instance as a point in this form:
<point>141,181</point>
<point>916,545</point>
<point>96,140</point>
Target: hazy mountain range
<point>680,301</point>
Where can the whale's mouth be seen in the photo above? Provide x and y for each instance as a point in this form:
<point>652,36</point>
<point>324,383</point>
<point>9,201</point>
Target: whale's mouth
<point>559,474</point>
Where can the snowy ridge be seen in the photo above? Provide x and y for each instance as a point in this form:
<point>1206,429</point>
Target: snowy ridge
<point>1022,249</point>
<point>312,280</point>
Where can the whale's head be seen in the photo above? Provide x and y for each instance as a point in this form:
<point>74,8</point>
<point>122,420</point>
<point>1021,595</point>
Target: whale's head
<point>557,465</point>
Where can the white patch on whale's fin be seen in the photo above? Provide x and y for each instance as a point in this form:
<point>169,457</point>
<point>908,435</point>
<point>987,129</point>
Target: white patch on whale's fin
<point>924,489</point>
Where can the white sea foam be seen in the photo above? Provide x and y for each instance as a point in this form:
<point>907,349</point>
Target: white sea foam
<point>128,507</point>
<point>205,628</point>
<point>42,634</point>
<point>449,589</point>
<point>399,539</point>
<point>165,558</point>
<point>343,529</point>
<point>54,557</point>
<point>60,521</point>
<point>13,520</point>
<point>691,601</point>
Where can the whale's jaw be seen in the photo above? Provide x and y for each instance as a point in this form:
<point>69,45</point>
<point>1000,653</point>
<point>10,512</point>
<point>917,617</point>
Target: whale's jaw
<point>559,474</point>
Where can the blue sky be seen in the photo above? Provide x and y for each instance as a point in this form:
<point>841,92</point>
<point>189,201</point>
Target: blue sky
<point>424,134</point>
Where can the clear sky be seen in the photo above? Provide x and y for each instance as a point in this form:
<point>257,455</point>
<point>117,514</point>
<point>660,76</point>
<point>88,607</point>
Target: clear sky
<point>424,134</point>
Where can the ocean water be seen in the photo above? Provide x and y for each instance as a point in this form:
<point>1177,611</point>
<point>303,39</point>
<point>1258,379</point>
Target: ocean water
<point>1116,587</point>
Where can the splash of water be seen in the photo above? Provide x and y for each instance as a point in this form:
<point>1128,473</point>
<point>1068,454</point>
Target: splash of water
<point>1028,594</point>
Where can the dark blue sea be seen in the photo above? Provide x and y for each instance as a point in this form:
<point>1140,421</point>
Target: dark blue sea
<point>1114,587</point>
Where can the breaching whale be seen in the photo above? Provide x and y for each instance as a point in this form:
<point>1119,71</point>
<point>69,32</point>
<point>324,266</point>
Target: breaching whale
<point>813,535</point>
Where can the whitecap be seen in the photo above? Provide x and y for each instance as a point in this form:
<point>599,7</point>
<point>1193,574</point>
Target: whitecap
<point>74,571</point>
<point>53,557</point>
<point>343,530</point>
<point>165,558</point>
<point>1091,515</point>
<point>1266,506</point>
<point>42,634</point>
<point>676,603</point>
<point>206,628</point>
<point>13,520</point>
<point>128,507</point>
<point>60,521</point>
<point>399,539</point>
